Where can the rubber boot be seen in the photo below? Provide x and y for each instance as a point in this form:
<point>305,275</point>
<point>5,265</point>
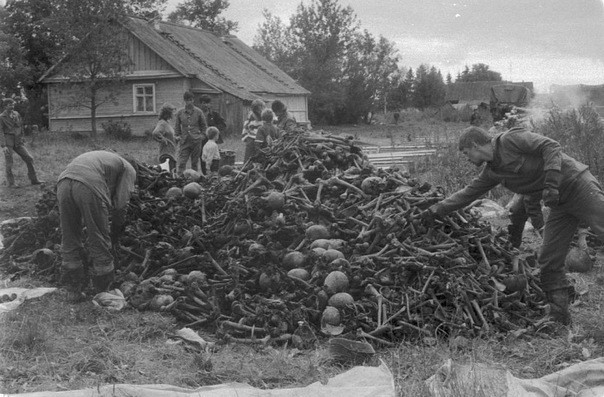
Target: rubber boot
<point>75,282</point>
<point>558,300</point>
<point>103,282</point>
<point>515,234</point>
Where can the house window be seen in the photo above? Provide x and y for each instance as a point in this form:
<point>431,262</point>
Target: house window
<point>144,98</point>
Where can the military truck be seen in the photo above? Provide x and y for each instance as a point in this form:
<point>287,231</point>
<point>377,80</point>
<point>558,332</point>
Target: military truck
<point>504,97</point>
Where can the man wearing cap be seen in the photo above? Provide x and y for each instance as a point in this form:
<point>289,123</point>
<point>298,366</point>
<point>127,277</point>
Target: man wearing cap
<point>12,140</point>
<point>285,121</point>
<point>190,126</point>
<point>213,118</point>
<point>93,187</point>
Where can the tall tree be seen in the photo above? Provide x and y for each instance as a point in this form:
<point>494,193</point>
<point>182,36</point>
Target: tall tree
<point>322,32</point>
<point>91,77</point>
<point>274,41</point>
<point>479,72</point>
<point>15,71</point>
<point>429,87</point>
<point>371,68</point>
<point>204,14</point>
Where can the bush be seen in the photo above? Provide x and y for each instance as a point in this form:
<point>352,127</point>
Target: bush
<point>580,132</point>
<point>118,129</point>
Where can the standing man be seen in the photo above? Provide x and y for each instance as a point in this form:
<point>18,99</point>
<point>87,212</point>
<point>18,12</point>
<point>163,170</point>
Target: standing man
<point>12,140</point>
<point>475,118</point>
<point>94,186</point>
<point>285,121</point>
<point>528,163</point>
<point>213,118</point>
<point>190,126</point>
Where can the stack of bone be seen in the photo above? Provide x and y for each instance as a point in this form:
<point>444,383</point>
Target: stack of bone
<point>310,233</point>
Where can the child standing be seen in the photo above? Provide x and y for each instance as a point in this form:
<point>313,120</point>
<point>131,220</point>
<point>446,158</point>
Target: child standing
<point>164,134</point>
<point>210,154</point>
<point>267,132</point>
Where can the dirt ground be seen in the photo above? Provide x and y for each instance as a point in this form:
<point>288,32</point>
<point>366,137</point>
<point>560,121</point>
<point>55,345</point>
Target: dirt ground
<point>17,202</point>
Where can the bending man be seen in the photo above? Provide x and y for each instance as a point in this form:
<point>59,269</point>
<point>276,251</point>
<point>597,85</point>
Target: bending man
<point>528,163</point>
<point>93,186</point>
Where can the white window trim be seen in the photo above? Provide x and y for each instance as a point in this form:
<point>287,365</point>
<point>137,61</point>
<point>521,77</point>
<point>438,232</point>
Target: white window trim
<point>134,87</point>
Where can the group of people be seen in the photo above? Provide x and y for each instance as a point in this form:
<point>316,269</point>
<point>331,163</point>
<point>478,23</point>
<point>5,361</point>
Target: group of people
<point>198,131</point>
<point>260,128</point>
<point>193,138</point>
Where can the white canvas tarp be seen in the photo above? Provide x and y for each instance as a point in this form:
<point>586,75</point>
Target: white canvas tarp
<point>585,379</point>
<point>356,382</point>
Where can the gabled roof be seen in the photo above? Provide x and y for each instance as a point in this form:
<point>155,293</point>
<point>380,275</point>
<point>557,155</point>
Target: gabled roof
<point>224,63</point>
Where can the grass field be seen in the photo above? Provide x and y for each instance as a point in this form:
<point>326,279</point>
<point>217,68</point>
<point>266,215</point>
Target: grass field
<point>52,345</point>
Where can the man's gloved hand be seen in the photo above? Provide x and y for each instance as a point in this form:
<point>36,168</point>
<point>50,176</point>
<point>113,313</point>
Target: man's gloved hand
<point>430,215</point>
<point>551,195</point>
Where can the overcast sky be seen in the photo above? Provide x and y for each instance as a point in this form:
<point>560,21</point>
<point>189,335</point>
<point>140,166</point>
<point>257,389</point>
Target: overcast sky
<point>544,41</point>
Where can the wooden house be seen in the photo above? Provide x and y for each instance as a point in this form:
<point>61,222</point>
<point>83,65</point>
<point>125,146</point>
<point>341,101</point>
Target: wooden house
<point>169,59</point>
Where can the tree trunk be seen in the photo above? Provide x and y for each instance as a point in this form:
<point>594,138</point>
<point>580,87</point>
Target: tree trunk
<point>93,113</point>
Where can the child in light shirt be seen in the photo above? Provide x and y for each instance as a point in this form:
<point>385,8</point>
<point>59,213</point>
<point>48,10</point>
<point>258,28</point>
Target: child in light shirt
<point>210,154</point>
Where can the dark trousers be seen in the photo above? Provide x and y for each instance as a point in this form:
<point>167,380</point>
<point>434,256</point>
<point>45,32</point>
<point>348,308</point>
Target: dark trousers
<point>582,200</point>
<point>77,203</point>
<point>15,145</point>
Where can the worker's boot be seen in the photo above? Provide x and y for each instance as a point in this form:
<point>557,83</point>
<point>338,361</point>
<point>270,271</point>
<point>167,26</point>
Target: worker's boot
<point>101,283</point>
<point>559,300</point>
<point>75,282</point>
<point>515,234</point>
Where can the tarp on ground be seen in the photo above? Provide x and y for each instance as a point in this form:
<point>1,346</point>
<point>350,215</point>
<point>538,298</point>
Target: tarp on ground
<point>356,382</point>
<point>584,379</point>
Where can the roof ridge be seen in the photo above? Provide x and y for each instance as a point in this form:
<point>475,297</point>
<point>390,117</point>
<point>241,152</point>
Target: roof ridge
<point>171,38</point>
<point>259,66</point>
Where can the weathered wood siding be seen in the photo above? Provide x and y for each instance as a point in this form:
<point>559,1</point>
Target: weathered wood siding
<point>143,58</point>
<point>78,119</point>
<point>296,105</point>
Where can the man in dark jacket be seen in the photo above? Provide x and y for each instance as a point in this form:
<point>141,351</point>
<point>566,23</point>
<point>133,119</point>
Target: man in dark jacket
<point>285,121</point>
<point>11,141</point>
<point>213,118</point>
<point>528,163</point>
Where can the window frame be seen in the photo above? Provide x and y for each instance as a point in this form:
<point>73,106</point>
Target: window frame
<point>135,96</point>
